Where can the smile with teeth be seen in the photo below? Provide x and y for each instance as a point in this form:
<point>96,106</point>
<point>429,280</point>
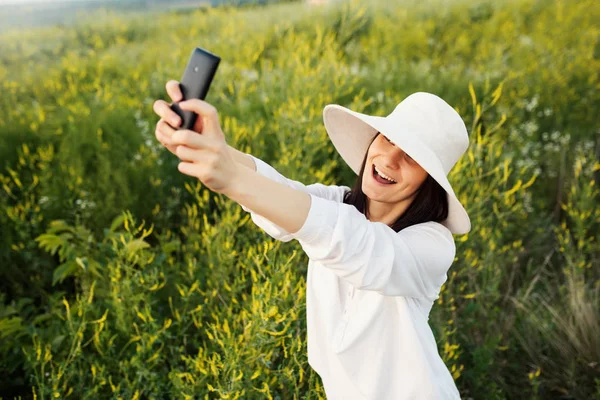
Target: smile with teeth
<point>384,176</point>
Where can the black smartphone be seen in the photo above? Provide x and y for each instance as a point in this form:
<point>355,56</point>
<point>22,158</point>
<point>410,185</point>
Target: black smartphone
<point>198,75</point>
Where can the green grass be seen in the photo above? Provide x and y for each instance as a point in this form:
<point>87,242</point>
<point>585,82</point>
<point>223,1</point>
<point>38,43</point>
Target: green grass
<point>122,278</point>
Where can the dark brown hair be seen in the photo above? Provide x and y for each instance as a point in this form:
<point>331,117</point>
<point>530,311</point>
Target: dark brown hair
<point>430,203</point>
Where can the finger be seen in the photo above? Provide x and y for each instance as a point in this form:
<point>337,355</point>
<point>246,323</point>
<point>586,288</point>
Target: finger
<point>159,136</point>
<point>189,154</point>
<point>165,141</point>
<point>191,169</point>
<point>165,128</point>
<point>164,110</point>
<point>192,139</point>
<point>174,91</point>
<point>208,113</point>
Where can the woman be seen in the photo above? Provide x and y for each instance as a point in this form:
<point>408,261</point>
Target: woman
<point>378,253</point>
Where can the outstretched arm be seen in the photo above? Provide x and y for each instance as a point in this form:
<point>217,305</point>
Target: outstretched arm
<point>281,204</point>
<point>329,192</point>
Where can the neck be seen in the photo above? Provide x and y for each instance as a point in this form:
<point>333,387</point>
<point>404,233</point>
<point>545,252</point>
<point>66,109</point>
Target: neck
<point>385,212</point>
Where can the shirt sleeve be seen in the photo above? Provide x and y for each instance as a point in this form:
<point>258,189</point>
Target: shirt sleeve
<point>372,256</point>
<point>331,192</point>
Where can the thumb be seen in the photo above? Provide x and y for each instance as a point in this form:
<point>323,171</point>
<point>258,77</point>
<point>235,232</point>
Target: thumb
<point>207,112</point>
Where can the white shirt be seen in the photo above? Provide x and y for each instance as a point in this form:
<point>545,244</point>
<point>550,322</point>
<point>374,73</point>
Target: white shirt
<point>369,291</point>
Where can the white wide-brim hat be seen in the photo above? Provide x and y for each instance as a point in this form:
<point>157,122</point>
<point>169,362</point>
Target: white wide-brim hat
<point>423,125</point>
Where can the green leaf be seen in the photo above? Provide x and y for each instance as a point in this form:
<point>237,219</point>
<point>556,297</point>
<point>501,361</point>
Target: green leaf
<point>170,247</point>
<point>117,222</point>
<point>136,245</point>
<point>80,262</point>
<point>10,326</point>
<point>49,242</point>
<point>57,341</point>
<point>64,271</point>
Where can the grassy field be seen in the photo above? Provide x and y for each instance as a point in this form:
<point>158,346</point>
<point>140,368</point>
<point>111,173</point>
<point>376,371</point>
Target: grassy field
<point>122,278</point>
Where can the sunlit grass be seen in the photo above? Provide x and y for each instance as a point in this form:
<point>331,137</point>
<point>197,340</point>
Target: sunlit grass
<point>122,278</point>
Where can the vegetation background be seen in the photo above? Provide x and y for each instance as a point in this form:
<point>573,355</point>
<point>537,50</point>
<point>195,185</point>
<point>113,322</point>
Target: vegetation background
<point>122,278</point>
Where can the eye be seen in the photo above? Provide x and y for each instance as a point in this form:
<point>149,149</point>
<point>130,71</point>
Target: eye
<point>386,138</point>
<point>409,157</point>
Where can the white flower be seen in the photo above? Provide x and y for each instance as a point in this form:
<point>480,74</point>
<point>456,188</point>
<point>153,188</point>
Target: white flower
<point>249,74</point>
<point>529,106</point>
<point>525,40</point>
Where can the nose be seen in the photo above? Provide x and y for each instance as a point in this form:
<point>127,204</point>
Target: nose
<point>394,158</point>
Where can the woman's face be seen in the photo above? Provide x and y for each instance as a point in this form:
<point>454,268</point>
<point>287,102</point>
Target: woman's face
<point>389,201</point>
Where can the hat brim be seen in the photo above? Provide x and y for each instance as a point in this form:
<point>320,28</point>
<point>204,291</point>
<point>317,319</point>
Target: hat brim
<point>351,133</point>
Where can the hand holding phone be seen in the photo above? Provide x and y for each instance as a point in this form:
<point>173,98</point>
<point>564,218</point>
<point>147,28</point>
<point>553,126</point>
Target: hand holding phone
<point>196,80</point>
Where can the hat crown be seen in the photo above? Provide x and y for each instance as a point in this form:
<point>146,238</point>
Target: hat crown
<point>430,120</point>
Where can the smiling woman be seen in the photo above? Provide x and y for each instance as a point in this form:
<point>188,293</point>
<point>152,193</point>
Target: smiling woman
<point>378,253</point>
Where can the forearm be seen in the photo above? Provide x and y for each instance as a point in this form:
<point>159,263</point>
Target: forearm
<point>242,158</point>
<point>282,205</point>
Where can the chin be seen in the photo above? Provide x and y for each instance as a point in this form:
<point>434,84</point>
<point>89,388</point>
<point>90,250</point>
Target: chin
<point>370,193</point>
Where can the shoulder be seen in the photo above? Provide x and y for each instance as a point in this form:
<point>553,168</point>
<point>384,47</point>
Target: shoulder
<point>432,241</point>
<point>330,192</point>
<point>431,228</point>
